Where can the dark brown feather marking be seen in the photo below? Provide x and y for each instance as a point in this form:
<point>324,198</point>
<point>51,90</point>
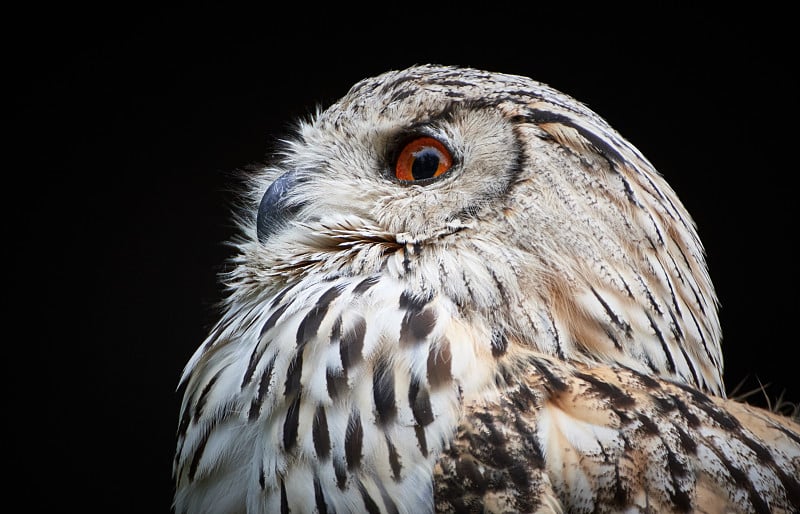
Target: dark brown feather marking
<point>352,343</point>
<point>551,381</point>
<point>698,397</point>
<point>290,424</point>
<point>198,453</point>
<point>645,380</point>
<point>293,375</point>
<point>541,117</point>
<point>336,380</point>
<point>365,284</point>
<point>499,343</point>
<point>687,442</point>
<point>420,402</point>
<point>337,383</point>
<point>388,502</point>
<point>621,493</point>
<point>353,440</point>
<point>648,425</point>
<point>681,499</point>
<point>533,454</point>
<point>273,319</point>
<point>724,419</point>
<point>394,459</point>
<point>743,482</point>
<point>495,440</point>
<point>615,319</point>
<point>416,326</point>
<point>691,418</point>
<point>788,433</point>
<point>319,497</point>
<point>410,302</point>
<point>383,392</point>
<point>470,475</point>
<point>255,357</point>
<point>664,404</point>
<point>284,500</point>
<point>263,389</point>
<point>675,326</point>
<point>336,330</point>
<point>421,439</point>
<point>649,294</point>
<point>664,346</point>
<point>279,297</point>
<point>185,418</point>
<point>689,364</point>
<point>320,434</point>
<point>677,467</point>
<point>619,398</point>
<point>790,483</point>
<point>258,351</point>
<point>369,504</point>
<point>309,327</point>
<point>439,371</point>
<point>340,472</point>
<point>222,414</point>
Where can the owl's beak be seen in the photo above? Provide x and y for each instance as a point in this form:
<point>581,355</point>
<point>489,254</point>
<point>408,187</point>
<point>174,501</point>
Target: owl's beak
<point>276,208</point>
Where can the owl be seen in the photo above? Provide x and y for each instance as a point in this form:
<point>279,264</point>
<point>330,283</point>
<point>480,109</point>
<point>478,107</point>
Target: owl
<point>456,290</point>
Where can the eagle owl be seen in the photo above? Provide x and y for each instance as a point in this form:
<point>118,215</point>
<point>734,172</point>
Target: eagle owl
<point>463,291</point>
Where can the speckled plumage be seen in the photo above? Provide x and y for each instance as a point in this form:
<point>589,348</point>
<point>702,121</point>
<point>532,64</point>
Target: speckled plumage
<point>534,330</point>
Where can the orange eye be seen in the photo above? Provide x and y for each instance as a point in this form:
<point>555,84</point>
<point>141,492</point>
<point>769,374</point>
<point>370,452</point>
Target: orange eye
<point>423,158</point>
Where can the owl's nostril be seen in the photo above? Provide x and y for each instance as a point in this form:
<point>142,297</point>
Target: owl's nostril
<point>275,209</point>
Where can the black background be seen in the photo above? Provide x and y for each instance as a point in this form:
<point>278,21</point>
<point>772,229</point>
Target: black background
<point>127,125</point>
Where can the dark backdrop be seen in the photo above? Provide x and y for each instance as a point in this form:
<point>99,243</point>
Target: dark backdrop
<point>126,126</point>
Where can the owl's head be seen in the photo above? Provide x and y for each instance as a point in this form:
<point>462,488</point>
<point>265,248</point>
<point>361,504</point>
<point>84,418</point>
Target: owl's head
<point>513,200</point>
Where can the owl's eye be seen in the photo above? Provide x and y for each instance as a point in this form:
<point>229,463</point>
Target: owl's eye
<point>421,158</point>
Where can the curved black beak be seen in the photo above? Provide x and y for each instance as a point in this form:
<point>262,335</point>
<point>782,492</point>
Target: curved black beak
<point>275,209</point>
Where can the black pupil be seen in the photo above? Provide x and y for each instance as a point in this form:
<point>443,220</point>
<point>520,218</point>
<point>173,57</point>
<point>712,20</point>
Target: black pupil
<point>426,162</point>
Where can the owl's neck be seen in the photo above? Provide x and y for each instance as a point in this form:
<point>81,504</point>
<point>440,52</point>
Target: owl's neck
<point>358,382</point>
